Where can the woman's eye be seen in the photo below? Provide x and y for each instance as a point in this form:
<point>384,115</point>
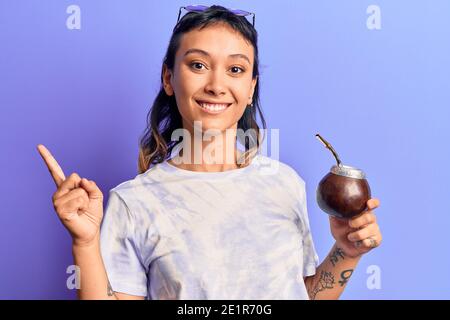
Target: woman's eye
<point>237,68</point>
<point>196,64</point>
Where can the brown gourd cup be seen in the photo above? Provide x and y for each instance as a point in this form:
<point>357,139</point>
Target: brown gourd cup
<point>344,191</point>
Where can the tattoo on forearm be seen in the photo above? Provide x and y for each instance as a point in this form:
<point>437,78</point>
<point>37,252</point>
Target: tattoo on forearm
<point>373,243</point>
<point>345,276</point>
<point>326,281</point>
<point>334,257</point>
<point>110,291</point>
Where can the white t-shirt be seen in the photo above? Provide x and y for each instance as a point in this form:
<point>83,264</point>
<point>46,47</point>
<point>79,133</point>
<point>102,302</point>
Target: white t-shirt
<point>172,233</point>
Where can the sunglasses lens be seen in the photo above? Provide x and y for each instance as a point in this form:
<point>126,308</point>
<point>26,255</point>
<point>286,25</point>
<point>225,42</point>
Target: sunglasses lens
<point>201,8</point>
<point>198,8</point>
<point>240,12</point>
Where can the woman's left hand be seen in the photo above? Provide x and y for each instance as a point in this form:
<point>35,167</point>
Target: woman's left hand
<point>358,235</point>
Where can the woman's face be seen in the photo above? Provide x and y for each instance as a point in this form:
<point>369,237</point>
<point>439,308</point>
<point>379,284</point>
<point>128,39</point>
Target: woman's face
<point>213,65</point>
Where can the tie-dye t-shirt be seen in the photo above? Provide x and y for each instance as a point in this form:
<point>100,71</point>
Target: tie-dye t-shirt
<point>172,233</point>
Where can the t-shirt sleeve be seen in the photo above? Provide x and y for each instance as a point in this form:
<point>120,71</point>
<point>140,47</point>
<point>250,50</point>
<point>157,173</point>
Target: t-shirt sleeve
<point>120,252</point>
<point>310,257</point>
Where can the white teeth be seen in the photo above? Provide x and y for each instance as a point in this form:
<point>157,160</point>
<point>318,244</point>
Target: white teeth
<point>213,107</point>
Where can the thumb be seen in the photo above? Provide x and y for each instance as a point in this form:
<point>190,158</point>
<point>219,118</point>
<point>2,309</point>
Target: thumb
<point>92,190</point>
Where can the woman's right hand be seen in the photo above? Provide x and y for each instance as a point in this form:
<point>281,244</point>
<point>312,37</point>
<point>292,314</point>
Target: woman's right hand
<point>78,202</point>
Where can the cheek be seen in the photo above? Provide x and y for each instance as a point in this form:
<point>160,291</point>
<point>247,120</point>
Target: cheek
<point>187,85</point>
<point>244,87</point>
<point>183,93</point>
<point>242,94</point>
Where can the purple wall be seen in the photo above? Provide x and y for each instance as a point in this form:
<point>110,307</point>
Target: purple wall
<point>380,96</point>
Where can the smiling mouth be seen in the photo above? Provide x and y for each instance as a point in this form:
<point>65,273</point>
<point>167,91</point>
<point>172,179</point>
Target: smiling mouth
<point>212,108</point>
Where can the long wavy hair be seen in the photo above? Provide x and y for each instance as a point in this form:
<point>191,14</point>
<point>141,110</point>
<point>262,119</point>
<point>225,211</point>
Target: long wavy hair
<point>155,145</point>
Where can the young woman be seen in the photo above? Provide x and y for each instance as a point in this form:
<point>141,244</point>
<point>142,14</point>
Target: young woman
<point>202,220</point>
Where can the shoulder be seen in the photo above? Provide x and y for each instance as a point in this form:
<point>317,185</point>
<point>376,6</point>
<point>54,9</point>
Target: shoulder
<point>138,198</point>
<point>281,170</point>
<point>138,187</point>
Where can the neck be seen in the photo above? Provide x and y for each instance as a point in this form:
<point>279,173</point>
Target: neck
<point>209,152</point>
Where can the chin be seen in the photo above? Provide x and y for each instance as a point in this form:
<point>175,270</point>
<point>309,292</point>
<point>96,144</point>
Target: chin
<point>213,124</point>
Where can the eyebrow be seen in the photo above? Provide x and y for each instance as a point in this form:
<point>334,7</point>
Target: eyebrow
<point>204,53</point>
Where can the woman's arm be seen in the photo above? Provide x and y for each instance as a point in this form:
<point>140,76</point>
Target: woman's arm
<point>331,276</point>
<point>354,238</point>
<point>79,205</point>
<point>94,283</point>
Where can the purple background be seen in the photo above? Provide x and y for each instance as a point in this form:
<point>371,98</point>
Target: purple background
<point>381,97</point>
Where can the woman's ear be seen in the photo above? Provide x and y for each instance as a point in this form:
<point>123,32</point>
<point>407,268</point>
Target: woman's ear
<point>167,75</point>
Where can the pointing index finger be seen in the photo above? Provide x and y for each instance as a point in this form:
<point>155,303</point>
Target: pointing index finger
<point>52,165</point>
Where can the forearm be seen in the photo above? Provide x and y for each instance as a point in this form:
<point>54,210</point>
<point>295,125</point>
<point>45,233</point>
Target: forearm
<point>331,276</point>
<point>94,284</point>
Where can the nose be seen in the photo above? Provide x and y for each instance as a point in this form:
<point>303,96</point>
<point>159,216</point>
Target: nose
<point>216,84</point>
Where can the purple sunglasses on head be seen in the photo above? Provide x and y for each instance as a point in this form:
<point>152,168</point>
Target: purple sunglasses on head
<point>201,8</point>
